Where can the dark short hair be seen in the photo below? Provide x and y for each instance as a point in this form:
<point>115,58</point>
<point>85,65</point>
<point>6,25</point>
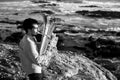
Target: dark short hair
<point>28,24</point>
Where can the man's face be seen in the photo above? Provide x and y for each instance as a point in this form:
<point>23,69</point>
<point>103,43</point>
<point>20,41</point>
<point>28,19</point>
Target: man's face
<point>35,29</point>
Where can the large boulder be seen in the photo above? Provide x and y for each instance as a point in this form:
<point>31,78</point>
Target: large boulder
<point>65,65</point>
<point>73,67</point>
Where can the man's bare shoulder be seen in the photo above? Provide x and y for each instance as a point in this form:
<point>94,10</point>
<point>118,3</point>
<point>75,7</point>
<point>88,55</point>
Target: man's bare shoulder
<point>29,40</point>
<point>26,39</point>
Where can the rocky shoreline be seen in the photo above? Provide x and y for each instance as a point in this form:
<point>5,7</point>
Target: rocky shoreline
<point>88,33</point>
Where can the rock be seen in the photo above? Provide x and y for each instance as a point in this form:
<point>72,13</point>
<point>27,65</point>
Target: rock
<point>57,65</point>
<point>107,63</point>
<point>66,66</point>
<point>4,34</point>
<point>100,14</point>
<point>104,46</point>
<point>49,12</point>
<point>14,37</point>
<point>10,66</point>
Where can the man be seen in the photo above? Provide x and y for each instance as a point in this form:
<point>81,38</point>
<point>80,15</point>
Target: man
<point>29,52</point>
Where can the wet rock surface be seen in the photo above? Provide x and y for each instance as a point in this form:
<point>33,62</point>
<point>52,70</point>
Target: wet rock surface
<point>63,65</point>
<point>100,14</point>
<point>10,67</point>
